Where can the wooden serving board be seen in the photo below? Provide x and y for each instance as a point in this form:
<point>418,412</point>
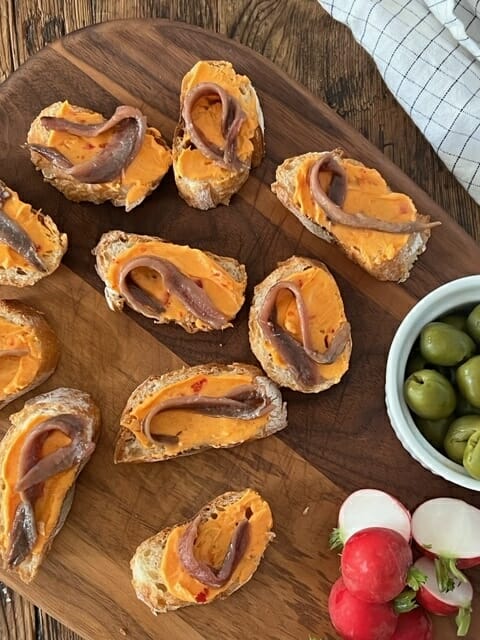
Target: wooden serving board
<point>336,442</point>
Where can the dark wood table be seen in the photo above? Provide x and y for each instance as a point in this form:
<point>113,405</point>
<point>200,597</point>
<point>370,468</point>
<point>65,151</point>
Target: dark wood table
<point>299,37</point>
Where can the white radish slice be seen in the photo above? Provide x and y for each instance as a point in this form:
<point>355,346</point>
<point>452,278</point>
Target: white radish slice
<point>458,601</point>
<point>370,508</point>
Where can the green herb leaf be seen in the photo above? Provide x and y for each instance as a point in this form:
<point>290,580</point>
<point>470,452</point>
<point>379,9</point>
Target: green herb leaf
<point>405,601</point>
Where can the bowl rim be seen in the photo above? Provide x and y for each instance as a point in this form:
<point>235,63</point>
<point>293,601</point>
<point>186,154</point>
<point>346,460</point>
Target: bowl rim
<point>443,299</point>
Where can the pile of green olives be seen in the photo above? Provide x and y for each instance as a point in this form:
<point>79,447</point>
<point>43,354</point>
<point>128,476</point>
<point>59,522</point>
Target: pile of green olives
<point>442,386</point>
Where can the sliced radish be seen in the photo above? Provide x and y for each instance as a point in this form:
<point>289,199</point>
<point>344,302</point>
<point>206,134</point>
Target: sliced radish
<point>358,620</point>
<point>375,564</point>
<point>414,625</point>
<point>456,602</point>
<point>370,508</point>
<point>447,529</point>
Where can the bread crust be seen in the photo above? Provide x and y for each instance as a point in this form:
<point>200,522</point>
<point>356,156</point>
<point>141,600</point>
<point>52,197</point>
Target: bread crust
<point>283,376</point>
<point>397,269</point>
<point>148,557</point>
<point>50,404</point>
<point>72,188</point>
<point>129,449</point>
<point>21,314</point>
<point>113,243</point>
<point>206,194</point>
<point>17,276</point>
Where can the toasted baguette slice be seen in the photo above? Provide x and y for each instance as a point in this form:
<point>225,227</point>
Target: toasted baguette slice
<point>136,182</point>
<point>386,256</point>
<point>60,402</point>
<point>319,291</point>
<point>150,580</point>
<point>50,245</point>
<point>202,182</point>
<point>25,328</point>
<point>210,430</point>
<point>117,247</point>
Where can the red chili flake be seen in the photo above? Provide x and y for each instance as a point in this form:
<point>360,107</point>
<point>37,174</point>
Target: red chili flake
<point>103,145</point>
<point>198,385</point>
<point>202,596</point>
<point>199,283</point>
<point>89,145</point>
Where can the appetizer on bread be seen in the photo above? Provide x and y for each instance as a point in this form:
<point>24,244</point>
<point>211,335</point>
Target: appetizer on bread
<point>29,350</point>
<point>219,136</point>
<point>87,157</point>
<point>31,246</point>
<point>197,290</point>
<point>209,557</point>
<point>49,442</point>
<point>297,326</point>
<point>186,411</point>
<point>346,203</point>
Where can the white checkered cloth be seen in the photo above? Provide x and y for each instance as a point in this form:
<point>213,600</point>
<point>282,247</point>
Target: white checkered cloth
<point>428,52</point>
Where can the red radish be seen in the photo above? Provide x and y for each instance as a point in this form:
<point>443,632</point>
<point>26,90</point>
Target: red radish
<point>375,564</point>
<point>414,625</point>
<point>357,620</point>
<point>370,508</point>
<point>447,529</point>
<point>456,602</point>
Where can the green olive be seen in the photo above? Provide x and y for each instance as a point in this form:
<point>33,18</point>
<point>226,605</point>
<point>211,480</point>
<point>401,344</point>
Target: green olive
<point>457,436</point>
<point>442,344</point>
<point>471,456</point>
<point>434,430</point>
<point>468,380</point>
<point>456,320</point>
<point>464,408</point>
<point>429,394</point>
<point>473,323</point>
<point>415,362</point>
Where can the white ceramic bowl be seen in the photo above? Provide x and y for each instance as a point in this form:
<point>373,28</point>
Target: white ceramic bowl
<point>446,299</point>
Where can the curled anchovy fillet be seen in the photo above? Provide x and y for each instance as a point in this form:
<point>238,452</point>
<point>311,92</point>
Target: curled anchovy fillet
<point>242,402</point>
<point>192,296</point>
<point>333,202</point>
<point>124,144</point>
<point>13,235</point>
<point>34,470</point>
<point>232,119</point>
<point>299,356</point>
<point>202,571</point>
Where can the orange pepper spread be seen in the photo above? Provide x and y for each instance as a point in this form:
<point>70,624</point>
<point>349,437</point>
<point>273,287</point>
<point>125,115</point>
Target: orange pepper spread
<point>326,314</point>
<point>211,546</point>
<point>195,429</point>
<point>367,192</point>
<point>207,116</point>
<point>48,505</point>
<point>44,238</point>
<point>224,292</point>
<point>149,165</point>
<point>17,372</point>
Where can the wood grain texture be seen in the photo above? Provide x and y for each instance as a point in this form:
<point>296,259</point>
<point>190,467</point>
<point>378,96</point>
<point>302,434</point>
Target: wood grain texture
<point>349,83</point>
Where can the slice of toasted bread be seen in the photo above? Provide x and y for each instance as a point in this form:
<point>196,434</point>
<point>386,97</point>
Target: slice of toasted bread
<point>390,258</point>
<point>117,245</point>
<point>192,381</point>
<point>54,403</point>
<point>149,581</point>
<point>204,184</point>
<point>50,243</point>
<point>129,190</point>
<point>43,345</point>
<point>275,367</point>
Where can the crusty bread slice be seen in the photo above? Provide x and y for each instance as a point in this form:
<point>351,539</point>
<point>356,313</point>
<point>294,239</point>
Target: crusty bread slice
<point>20,277</point>
<point>51,404</point>
<point>283,376</point>
<point>396,269</point>
<point>47,343</point>
<point>73,189</point>
<point>129,449</point>
<point>114,243</point>
<point>208,193</point>
<point>147,560</point>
